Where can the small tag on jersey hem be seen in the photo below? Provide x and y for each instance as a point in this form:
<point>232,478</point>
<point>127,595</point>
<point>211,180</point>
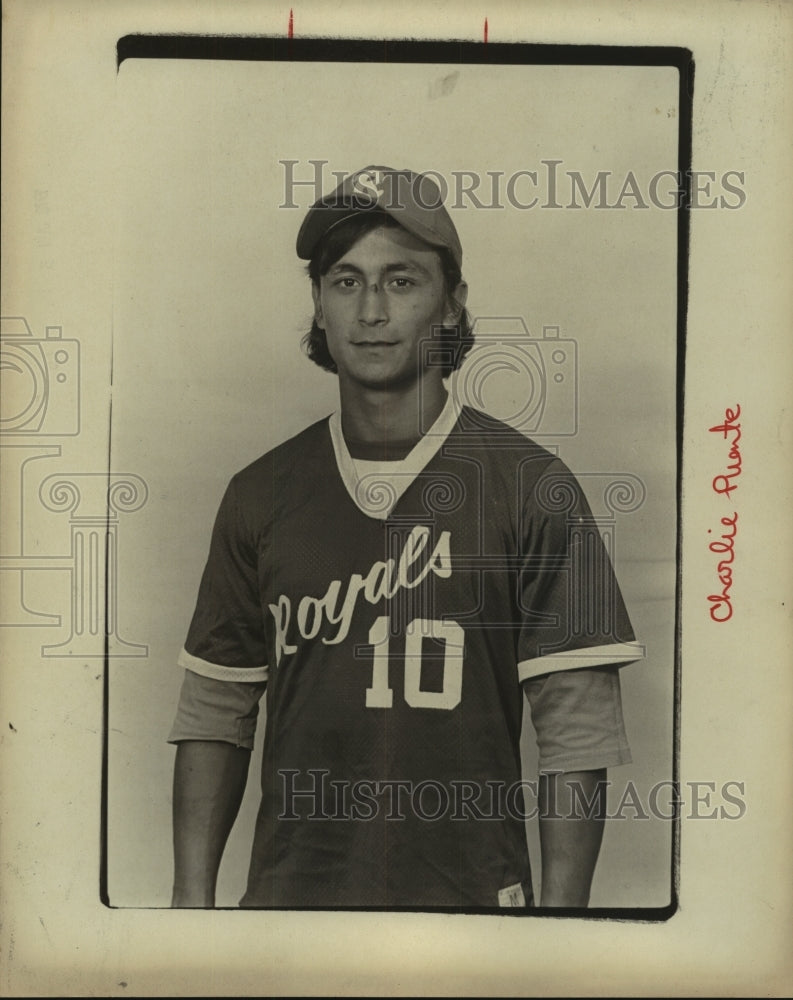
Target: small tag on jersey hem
<point>512,896</point>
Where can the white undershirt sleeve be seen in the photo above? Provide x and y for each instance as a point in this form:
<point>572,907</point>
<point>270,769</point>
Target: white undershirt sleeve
<point>577,717</point>
<point>211,709</point>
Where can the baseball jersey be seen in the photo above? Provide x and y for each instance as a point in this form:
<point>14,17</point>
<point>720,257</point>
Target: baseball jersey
<point>394,620</point>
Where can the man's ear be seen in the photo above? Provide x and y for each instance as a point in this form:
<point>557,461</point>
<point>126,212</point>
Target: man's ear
<point>456,304</point>
<point>318,317</point>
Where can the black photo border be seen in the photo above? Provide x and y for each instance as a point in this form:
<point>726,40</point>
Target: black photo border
<point>416,51</point>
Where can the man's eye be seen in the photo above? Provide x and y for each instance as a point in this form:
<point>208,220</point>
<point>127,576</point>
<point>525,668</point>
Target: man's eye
<point>345,283</point>
<point>402,282</point>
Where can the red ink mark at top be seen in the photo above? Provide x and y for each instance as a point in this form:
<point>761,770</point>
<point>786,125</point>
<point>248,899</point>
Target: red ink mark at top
<point>485,31</point>
<point>290,31</point>
<point>722,484</point>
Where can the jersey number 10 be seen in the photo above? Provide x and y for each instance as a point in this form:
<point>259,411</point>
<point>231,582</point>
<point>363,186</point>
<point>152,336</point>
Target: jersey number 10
<point>380,695</point>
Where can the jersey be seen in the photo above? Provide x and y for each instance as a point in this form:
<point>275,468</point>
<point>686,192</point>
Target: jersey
<point>394,623</point>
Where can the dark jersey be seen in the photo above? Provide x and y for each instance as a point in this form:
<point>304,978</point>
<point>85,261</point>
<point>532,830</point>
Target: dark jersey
<point>395,624</point>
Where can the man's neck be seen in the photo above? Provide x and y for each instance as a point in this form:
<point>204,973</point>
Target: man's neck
<point>392,418</point>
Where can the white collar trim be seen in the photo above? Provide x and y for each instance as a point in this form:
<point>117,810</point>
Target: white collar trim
<point>374,494</point>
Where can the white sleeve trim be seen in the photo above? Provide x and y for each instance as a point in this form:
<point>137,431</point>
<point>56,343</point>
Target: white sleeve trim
<point>220,673</point>
<point>619,653</point>
<point>593,760</point>
<point>404,471</point>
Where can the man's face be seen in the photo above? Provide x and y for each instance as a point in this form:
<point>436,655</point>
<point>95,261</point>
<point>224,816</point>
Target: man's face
<point>377,304</point>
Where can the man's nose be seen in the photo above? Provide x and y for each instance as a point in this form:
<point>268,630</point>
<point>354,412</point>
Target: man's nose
<point>373,307</point>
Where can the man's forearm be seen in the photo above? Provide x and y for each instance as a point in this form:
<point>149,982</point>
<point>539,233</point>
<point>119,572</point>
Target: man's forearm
<point>209,782</point>
<point>571,830</point>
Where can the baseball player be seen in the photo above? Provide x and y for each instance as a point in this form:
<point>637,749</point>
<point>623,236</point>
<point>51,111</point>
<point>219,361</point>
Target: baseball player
<point>398,580</point>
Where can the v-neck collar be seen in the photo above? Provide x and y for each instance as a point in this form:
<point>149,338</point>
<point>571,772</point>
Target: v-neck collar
<point>374,496</point>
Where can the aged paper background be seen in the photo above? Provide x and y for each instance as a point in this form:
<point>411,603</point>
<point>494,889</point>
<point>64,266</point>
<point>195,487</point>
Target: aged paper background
<point>61,216</point>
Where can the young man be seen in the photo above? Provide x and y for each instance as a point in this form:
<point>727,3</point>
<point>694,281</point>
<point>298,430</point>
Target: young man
<point>396,577</point>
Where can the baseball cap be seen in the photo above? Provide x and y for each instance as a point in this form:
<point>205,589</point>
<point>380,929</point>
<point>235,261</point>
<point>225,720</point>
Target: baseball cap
<point>413,200</point>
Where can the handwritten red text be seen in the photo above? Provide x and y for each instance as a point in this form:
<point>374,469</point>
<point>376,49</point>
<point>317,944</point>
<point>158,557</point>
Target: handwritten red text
<point>725,484</point>
<point>721,604</point>
<point>731,430</point>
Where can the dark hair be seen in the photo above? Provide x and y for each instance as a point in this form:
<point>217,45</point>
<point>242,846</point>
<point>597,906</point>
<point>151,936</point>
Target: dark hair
<point>454,342</point>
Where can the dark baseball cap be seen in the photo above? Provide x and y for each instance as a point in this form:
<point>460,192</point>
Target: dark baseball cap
<point>413,200</point>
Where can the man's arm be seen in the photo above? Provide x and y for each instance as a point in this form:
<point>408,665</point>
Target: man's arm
<point>571,829</point>
<point>209,782</point>
<point>577,715</point>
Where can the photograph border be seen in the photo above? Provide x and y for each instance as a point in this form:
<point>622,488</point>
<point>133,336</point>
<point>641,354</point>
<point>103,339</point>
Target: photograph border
<point>272,48</point>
